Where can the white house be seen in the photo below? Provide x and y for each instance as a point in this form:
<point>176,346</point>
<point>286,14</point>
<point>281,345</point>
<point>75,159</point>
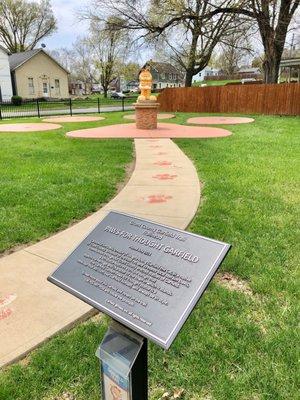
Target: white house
<point>207,71</point>
<point>5,78</point>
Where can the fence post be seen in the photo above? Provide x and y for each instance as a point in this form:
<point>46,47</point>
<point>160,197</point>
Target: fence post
<point>38,108</point>
<point>71,111</point>
<point>122,103</point>
<point>98,104</point>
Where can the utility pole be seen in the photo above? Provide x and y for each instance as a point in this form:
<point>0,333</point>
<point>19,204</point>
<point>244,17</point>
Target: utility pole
<point>292,45</point>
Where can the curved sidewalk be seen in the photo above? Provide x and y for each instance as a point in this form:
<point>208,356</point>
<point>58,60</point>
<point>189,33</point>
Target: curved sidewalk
<point>164,187</point>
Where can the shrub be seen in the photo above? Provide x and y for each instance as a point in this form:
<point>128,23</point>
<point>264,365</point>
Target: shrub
<point>16,100</point>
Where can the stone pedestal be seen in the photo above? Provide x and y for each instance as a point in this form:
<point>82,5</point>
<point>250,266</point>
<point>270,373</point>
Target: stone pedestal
<point>146,114</point>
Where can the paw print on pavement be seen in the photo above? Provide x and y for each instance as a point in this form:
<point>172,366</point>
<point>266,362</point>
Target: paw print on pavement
<point>163,177</point>
<point>156,198</point>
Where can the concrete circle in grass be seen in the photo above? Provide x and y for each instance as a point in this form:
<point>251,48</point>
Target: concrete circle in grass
<point>159,116</point>
<point>164,130</point>
<point>74,118</point>
<point>218,120</point>
<point>28,127</point>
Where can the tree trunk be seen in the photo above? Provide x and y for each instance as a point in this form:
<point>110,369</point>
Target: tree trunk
<point>273,53</point>
<point>271,69</point>
<point>189,77</point>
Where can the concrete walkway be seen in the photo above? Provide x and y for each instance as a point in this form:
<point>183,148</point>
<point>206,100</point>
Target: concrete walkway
<point>164,187</point>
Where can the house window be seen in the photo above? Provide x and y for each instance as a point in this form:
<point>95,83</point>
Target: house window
<point>57,86</point>
<point>30,86</point>
<point>45,88</point>
<point>162,75</point>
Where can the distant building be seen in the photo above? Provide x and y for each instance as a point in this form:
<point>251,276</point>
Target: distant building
<point>79,88</point>
<point>118,84</point>
<point>36,74</point>
<point>5,78</point>
<point>132,85</point>
<point>249,71</point>
<point>165,75</point>
<point>290,70</point>
<point>207,71</point>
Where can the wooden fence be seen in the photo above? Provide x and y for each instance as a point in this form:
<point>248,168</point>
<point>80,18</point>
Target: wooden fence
<point>276,99</point>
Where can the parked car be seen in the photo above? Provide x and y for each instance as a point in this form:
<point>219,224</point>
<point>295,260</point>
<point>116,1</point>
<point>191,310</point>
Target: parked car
<point>117,95</point>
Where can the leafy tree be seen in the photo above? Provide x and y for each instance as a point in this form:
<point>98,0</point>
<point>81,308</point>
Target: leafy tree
<point>129,71</point>
<point>23,23</point>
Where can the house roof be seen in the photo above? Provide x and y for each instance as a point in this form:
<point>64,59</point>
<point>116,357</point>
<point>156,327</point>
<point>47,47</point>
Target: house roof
<point>163,67</point>
<point>290,62</point>
<point>18,59</point>
<point>249,69</point>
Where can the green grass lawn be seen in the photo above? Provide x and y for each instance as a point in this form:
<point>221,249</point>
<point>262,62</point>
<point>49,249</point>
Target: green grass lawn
<point>90,103</point>
<point>216,83</point>
<point>48,181</point>
<point>234,346</point>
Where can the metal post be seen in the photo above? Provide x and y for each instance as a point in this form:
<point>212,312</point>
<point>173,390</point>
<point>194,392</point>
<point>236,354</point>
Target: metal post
<point>0,113</point>
<point>140,374</point>
<point>98,104</point>
<point>122,103</point>
<point>38,108</point>
<point>71,111</point>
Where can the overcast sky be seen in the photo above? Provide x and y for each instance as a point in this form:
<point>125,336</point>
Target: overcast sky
<point>68,25</point>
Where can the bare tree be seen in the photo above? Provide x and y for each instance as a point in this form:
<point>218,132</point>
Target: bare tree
<point>199,37</point>
<point>273,19</point>
<point>191,40</point>
<point>83,67</point>
<point>234,48</point>
<point>24,23</point>
<point>110,46</point>
<point>79,61</point>
<point>65,57</point>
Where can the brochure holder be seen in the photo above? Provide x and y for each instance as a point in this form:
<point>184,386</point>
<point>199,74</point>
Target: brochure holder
<point>123,357</point>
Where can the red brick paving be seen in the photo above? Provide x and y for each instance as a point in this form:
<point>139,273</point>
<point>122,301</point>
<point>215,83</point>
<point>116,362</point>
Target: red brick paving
<point>33,127</point>
<point>217,120</point>
<point>164,131</point>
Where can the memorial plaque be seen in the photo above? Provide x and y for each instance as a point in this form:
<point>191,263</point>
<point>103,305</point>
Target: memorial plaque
<point>143,274</point>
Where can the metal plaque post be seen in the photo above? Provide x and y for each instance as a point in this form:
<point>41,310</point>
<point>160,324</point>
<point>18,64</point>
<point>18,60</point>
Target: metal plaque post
<point>124,367</point>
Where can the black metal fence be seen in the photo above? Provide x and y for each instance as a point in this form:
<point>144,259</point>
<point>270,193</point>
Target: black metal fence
<point>40,108</point>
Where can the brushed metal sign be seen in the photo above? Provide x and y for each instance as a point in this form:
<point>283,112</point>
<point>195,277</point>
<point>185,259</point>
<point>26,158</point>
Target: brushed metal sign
<point>145,275</point>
